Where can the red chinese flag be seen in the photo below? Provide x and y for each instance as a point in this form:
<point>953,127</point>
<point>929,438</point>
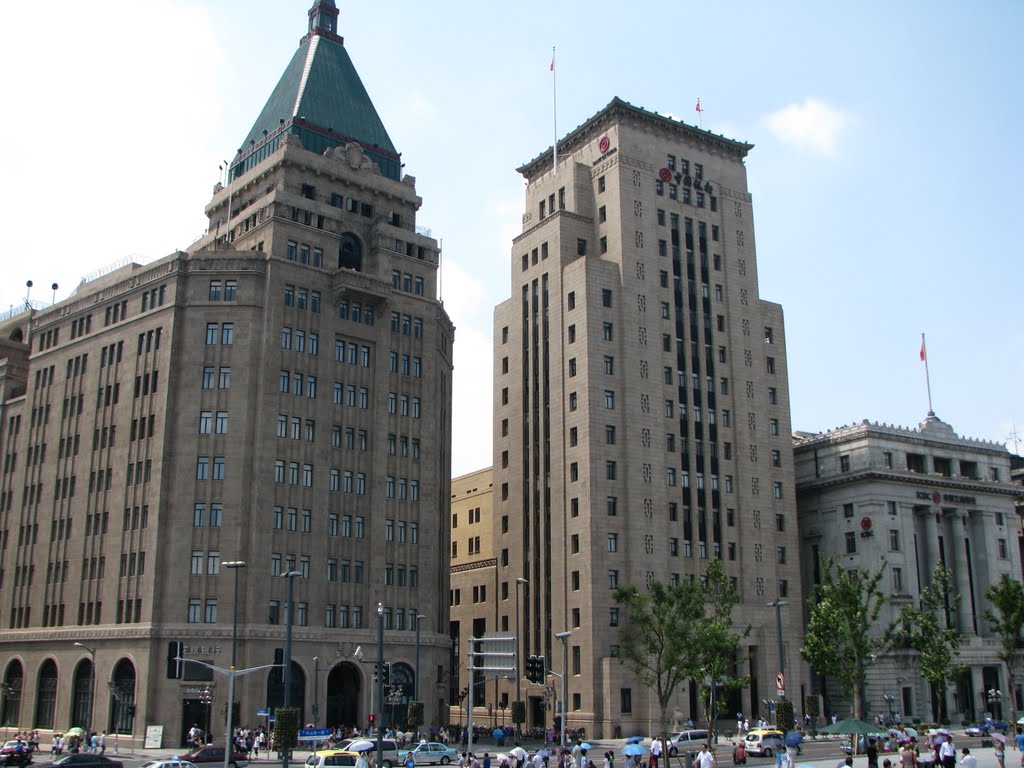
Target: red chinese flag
<point>924,355</point>
<point>699,107</point>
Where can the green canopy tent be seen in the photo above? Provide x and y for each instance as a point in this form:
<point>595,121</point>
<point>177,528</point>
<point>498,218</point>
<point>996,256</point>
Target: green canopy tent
<point>852,725</point>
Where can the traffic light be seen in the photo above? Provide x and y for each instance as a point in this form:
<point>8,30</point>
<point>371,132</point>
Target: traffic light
<point>373,719</point>
<point>174,662</point>
<point>279,657</point>
<point>387,674</point>
<point>536,670</point>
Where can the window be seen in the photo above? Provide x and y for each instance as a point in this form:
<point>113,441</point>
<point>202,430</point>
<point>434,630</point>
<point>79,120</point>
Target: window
<point>851,542</point>
<point>894,540</point>
<point>844,463</point>
<point>609,399</point>
<point>613,542</point>
<point>897,579</point>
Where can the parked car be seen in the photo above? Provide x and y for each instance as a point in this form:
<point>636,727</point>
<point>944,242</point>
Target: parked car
<point>87,760</point>
<point>429,752</point>
<point>763,742</point>
<point>686,741</point>
<point>213,754</point>
<point>986,728</point>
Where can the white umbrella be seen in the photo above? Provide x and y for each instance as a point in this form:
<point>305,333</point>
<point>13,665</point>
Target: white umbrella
<point>519,752</point>
<point>361,745</point>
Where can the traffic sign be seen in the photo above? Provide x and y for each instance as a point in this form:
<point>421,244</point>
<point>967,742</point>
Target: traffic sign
<point>314,734</point>
<point>262,713</point>
<point>780,684</point>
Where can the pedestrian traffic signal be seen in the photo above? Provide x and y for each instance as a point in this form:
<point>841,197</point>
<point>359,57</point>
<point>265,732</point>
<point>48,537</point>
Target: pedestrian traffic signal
<point>536,670</point>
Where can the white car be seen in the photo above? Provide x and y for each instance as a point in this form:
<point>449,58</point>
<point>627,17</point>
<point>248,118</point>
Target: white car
<point>168,764</point>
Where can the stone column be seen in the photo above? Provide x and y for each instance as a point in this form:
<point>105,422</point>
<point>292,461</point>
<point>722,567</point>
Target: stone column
<point>958,562</point>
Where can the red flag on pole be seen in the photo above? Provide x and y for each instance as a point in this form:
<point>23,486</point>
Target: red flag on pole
<point>924,353</point>
<point>699,107</point>
<point>552,61</point>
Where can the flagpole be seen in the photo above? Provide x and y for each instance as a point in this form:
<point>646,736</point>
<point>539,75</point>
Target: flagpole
<point>554,114</point>
<point>927,377</point>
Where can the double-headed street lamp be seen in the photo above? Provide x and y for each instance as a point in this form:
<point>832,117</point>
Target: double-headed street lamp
<point>416,681</point>
<point>235,566</point>
<point>290,575</point>
<point>92,684</point>
<point>564,637</point>
<point>380,684</point>
<point>889,699</point>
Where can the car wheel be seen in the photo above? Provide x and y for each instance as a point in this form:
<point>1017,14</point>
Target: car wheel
<point>388,764</point>
<point>767,752</point>
<point>445,760</point>
<point>672,752</point>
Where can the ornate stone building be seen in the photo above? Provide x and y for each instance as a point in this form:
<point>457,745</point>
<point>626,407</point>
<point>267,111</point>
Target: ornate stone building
<point>280,395</point>
<point>911,500</point>
<point>641,411</point>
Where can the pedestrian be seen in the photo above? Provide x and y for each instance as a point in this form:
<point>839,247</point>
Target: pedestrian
<point>1000,749</point>
<point>103,742</point>
<point>872,753</point>
<point>908,755</point>
<point>1020,745</point>
<point>705,759</point>
<point>947,753</point>
<point>968,760</point>
<point>361,761</point>
<point>410,761</point>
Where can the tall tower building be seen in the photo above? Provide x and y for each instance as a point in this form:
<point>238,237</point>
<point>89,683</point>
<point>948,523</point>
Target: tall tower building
<point>278,395</point>
<point>641,413</point>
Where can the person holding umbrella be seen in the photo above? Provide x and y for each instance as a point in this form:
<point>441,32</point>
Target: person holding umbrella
<point>1000,749</point>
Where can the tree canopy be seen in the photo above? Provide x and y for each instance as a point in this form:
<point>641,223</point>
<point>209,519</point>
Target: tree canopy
<point>929,630</point>
<point>842,633</point>
<point>1006,619</point>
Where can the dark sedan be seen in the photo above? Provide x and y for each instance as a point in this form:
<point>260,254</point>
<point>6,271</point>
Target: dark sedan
<point>86,760</point>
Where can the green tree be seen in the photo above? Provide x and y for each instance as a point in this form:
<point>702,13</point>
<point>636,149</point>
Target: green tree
<point>718,644</point>
<point>1006,621</point>
<point>414,714</point>
<point>929,630</point>
<point>286,728</point>
<point>842,635</point>
<point>659,639</point>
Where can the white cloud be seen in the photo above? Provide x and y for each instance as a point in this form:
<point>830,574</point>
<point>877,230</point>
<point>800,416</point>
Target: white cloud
<point>813,125</point>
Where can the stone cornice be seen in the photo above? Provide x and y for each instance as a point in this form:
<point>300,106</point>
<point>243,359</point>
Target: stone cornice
<point>907,477</point>
<point>491,562</point>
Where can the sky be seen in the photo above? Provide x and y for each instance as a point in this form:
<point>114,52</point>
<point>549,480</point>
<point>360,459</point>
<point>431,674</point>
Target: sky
<point>885,173</point>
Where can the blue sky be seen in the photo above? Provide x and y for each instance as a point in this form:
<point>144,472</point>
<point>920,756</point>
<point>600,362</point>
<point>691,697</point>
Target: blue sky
<point>885,173</point>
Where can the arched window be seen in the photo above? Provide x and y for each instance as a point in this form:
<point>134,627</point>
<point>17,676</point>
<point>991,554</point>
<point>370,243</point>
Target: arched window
<point>344,686</point>
<point>81,694</point>
<point>350,253</point>
<point>122,698</point>
<point>11,702</point>
<point>46,694</point>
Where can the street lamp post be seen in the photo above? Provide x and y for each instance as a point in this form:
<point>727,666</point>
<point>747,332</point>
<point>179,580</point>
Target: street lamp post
<point>290,575</point>
<point>380,684</point>
<point>564,637</point>
<point>92,685</point>
<point>889,699</point>
<point>777,603</point>
<point>235,566</point>
<point>994,697</point>
<point>519,645</point>
<point>316,691</point>
<point>416,680</point>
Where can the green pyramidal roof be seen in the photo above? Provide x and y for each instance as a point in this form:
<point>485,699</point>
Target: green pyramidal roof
<point>321,99</point>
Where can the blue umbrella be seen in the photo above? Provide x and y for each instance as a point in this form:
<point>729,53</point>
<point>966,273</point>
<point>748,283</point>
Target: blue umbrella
<point>634,750</point>
<point>634,739</point>
<point>586,746</point>
<point>794,738</point>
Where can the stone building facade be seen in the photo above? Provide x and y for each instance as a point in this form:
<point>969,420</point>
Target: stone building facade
<point>910,500</point>
<point>280,395</point>
<point>641,412</point>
